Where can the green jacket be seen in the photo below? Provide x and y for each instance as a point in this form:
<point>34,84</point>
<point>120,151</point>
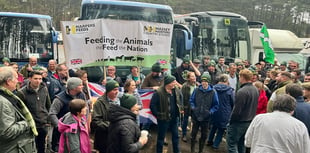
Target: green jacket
<point>100,123</point>
<point>15,133</point>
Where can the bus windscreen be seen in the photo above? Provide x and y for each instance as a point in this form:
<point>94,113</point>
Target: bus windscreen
<point>123,12</point>
<point>21,38</point>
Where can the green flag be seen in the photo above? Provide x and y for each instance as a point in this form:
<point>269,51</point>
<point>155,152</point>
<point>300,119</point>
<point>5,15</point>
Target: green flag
<point>264,37</point>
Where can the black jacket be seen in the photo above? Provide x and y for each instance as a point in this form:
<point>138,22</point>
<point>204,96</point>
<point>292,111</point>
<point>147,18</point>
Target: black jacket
<point>38,103</point>
<point>245,103</point>
<point>124,131</point>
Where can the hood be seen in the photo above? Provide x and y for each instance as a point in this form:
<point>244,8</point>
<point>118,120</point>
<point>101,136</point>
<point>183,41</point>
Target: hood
<point>222,87</point>
<point>117,113</point>
<point>67,123</point>
<point>210,88</point>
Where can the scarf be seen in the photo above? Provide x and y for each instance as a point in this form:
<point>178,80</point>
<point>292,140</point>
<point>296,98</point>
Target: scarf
<point>24,110</point>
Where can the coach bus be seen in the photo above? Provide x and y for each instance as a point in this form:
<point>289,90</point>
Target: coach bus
<point>124,10</point>
<point>215,34</point>
<point>24,35</point>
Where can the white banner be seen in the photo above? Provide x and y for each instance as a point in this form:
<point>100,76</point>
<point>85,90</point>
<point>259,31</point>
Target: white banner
<point>116,42</point>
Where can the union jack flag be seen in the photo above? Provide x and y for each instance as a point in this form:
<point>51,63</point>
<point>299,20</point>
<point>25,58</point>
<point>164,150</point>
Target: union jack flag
<point>145,114</point>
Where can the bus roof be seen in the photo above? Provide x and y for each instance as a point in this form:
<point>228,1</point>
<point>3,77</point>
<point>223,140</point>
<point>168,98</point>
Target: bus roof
<point>127,3</point>
<point>214,13</point>
<point>25,15</point>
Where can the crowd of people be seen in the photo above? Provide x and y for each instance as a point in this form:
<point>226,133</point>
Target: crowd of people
<point>261,107</point>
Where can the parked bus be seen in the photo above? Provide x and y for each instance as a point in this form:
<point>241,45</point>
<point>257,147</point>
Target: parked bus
<point>123,10</point>
<point>25,35</point>
<point>215,34</point>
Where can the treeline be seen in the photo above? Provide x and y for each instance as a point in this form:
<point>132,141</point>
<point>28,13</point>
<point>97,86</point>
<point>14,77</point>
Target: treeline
<point>277,14</point>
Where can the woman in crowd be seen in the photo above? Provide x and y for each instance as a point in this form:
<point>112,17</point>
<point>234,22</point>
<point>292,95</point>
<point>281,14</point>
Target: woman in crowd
<point>124,133</point>
<point>130,87</point>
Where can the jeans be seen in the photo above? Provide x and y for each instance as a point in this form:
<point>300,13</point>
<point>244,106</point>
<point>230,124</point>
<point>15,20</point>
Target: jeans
<point>55,139</point>
<point>203,128</point>
<point>40,139</point>
<point>235,136</point>
<point>163,127</point>
<point>219,135</point>
<point>184,124</point>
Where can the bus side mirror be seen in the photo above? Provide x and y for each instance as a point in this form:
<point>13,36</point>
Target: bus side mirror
<point>188,41</point>
<point>54,35</point>
<point>184,42</point>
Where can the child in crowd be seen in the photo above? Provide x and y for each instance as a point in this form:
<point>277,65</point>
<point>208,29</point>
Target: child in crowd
<point>262,99</point>
<point>74,133</point>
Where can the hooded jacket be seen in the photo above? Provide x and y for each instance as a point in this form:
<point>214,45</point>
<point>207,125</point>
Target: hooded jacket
<point>262,102</point>
<point>74,137</point>
<point>124,132</point>
<point>226,95</point>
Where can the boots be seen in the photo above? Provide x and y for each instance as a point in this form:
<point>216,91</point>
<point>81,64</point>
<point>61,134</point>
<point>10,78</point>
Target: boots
<point>201,145</point>
<point>193,146</point>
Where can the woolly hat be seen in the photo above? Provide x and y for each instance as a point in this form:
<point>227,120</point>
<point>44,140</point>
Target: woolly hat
<point>111,84</point>
<point>156,67</point>
<point>239,63</point>
<point>37,68</point>
<point>211,64</point>
<point>196,61</point>
<point>5,59</point>
<point>186,60</point>
<point>283,63</point>
<point>168,79</point>
<point>73,82</point>
<point>128,101</point>
<point>206,77</point>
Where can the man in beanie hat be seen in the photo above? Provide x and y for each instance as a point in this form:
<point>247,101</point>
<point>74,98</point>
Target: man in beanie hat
<point>187,65</point>
<point>154,79</point>
<point>6,61</point>
<point>60,105</point>
<point>212,72</point>
<point>100,122</point>
<point>123,126</point>
<point>204,102</point>
<point>166,104</point>
<point>283,66</point>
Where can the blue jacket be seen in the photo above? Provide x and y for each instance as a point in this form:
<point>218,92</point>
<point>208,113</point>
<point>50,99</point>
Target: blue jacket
<point>302,112</point>
<point>199,110</point>
<point>226,97</point>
